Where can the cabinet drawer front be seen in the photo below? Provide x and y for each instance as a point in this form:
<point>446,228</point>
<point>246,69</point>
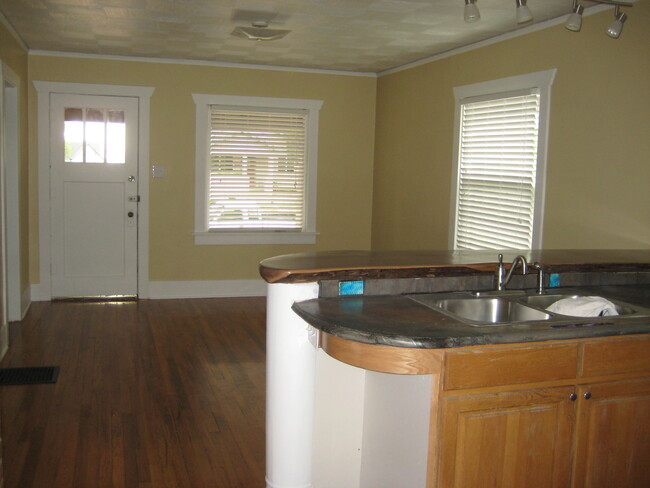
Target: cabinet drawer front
<point>510,365</point>
<point>616,357</point>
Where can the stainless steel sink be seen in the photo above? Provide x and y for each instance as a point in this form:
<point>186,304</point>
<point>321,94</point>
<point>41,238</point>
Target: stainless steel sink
<point>486,311</point>
<point>514,308</point>
<point>545,301</point>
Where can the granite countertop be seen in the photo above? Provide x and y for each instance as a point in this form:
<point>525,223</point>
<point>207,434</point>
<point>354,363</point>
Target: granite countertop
<point>401,321</point>
<point>335,265</point>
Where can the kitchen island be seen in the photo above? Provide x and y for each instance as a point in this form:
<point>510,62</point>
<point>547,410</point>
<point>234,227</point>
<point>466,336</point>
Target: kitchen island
<point>361,392</point>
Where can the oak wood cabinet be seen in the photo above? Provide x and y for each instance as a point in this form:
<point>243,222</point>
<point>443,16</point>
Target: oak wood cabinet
<point>507,439</point>
<point>568,414</point>
<point>613,435</point>
<point>558,414</point>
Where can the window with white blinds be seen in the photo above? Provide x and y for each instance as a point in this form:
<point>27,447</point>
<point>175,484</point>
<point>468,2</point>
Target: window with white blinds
<point>255,170</point>
<point>499,172</point>
<point>257,165</point>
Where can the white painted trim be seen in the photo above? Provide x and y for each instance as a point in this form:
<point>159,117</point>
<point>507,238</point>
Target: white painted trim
<point>40,292</point>
<point>12,143</point>
<point>496,39</point>
<point>207,289</point>
<point>236,238</point>
<point>183,289</point>
<point>44,90</point>
<point>543,80</point>
<point>201,171</point>
<point>26,302</point>
<point>192,62</point>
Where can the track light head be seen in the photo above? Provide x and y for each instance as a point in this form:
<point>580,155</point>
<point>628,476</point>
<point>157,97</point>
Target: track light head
<point>574,21</point>
<point>523,12</point>
<point>471,13</point>
<point>614,29</point>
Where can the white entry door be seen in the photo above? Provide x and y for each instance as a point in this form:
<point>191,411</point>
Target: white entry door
<point>93,195</point>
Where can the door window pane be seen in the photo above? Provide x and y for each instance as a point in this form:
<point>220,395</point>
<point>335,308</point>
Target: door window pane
<point>74,135</point>
<point>94,135</point>
<point>115,137</point>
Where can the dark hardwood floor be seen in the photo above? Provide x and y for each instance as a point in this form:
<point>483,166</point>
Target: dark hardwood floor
<point>156,393</point>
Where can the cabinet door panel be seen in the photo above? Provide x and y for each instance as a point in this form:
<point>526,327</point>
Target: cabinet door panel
<point>507,439</point>
<point>613,436</point>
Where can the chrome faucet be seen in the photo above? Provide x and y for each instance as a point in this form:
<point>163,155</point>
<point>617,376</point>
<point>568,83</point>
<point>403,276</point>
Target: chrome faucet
<point>540,278</point>
<point>502,278</point>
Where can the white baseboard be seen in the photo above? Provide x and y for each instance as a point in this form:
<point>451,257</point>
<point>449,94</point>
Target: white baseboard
<point>207,289</point>
<point>40,293</point>
<point>181,289</point>
<point>25,302</point>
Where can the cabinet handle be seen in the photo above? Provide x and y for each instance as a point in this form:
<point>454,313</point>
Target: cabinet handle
<point>573,397</point>
<point>587,395</point>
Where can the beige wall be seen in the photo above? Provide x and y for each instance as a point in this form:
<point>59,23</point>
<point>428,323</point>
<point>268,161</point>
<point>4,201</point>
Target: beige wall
<point>14,56</point>
<point>599,149</point>
<point>345,164</point>
<point>598,158</point>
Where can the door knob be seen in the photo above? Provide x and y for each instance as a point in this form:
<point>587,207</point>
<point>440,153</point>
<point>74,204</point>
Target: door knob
<point>573,397</point>
<point>132,178</point>
<point>130,214</point>
<point>587,395</point>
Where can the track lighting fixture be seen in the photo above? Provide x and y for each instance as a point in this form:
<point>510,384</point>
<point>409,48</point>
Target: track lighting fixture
<point>574,21</point>
<point>471,13</point>
<point>614,29</point>
<point>523,12</point>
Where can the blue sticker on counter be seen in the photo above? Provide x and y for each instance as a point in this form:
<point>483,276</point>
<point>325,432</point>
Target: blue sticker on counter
<point>350,287</point>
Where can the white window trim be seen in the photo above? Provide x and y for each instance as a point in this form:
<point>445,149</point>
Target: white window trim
<point>202,236</point>
<point>541,80</point>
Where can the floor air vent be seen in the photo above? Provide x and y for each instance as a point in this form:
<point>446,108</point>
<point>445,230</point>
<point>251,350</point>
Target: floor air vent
<point>28,376</point>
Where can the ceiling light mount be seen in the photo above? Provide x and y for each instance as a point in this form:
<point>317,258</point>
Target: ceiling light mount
<point>259,31</point>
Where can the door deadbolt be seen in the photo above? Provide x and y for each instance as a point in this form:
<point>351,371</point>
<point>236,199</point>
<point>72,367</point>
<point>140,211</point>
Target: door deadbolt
<point>130,214</point>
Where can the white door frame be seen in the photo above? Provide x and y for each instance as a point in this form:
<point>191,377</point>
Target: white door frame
<point>43,291</point>
<point>11,154</point>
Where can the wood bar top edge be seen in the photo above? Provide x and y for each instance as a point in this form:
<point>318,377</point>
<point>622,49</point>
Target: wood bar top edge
<point>337,265</point>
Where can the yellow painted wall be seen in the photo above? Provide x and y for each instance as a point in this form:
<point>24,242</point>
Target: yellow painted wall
<point>598,170</point>
<point>14,56</point>
<point>345,163</point>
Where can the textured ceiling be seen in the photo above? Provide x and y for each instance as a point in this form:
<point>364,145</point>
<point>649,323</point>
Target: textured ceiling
<point>348,35</point>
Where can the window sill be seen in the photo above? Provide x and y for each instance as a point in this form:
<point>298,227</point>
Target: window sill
<point>232,238</point>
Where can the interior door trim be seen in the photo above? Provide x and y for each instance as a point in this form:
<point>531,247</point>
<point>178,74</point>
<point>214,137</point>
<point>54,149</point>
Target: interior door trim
<point>43,291</point>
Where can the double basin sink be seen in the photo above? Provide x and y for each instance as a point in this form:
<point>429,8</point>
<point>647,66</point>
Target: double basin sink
<point>510,307</point>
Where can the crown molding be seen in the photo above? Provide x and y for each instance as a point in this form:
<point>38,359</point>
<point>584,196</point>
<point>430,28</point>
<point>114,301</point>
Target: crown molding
<point>215,64</point>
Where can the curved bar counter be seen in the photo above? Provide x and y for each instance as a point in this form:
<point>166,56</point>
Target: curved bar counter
<point>367,390</point>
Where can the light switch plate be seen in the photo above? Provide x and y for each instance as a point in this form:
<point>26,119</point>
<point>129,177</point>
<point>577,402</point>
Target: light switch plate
<point>158,171</point>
